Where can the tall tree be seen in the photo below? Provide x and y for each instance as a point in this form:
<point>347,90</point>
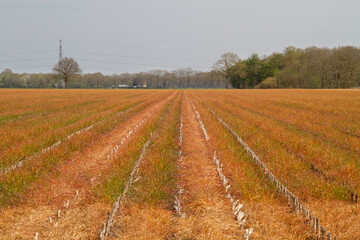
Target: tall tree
<point>238,75</point>
<point>67,68</point>
<point>253,70</point>
<point>225,65</point>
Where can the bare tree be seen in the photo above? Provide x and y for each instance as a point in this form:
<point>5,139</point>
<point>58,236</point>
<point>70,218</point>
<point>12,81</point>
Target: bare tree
<point>6,71</point>
<point>224,65</point>
<point>66,69</point>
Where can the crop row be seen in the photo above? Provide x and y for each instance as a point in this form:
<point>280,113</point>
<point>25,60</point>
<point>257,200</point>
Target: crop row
<point>22,138</point>
<point>322,195</point>
<point>236,203</point>
<point>89,181</point>
<point>16,182</point>
<point>152,174</point>
<point>309,146</point>
<point>293,199</point>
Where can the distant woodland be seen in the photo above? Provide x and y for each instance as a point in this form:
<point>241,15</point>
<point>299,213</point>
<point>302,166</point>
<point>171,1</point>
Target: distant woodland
<point>312,67</point>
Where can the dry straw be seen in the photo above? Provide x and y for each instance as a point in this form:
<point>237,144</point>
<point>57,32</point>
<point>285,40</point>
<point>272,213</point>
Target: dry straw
<point>236,204</point>
<point>113,150</point>
<point>180,189</point>
<point>111,215</point>
<point>19,164</point>
<point>293,200</point>
<point>201,123</point>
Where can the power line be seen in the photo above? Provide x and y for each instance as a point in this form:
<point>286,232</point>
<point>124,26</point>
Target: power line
<point>40,66</point>
<point>27,43</point>
<point>154,48</point>
<point>28,52</point>
<point>135,64</point>
<point>32,59</point>
<point>99,61</point>
<point>101,68</point>
<point>137,57</point>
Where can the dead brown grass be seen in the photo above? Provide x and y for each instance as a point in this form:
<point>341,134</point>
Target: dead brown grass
<point>294,129</point>
<point>273,220</point>
<point>74,223</point>
<point>139,221</point>
<point>208,212</point>
<point>83,218</point>
<point>266,212</point>
<point>210,220</point>
<point>343,218</point>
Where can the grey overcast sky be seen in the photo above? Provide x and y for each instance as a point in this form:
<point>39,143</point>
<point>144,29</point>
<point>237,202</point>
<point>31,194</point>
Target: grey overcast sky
<point>115,36</point>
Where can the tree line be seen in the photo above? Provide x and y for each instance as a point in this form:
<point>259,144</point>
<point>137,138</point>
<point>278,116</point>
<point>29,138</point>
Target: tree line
<point>311,67</point>
<point>181,78</point>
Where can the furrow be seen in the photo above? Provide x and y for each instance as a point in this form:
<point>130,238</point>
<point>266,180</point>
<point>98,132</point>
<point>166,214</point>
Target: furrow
<point>293,200</point>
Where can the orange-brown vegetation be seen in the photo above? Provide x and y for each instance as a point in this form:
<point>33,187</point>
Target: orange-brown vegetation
<point>66,158</point>
<point>299,135</point>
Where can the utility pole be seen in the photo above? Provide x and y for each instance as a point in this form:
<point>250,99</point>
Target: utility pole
<point>60,56</point>
<point>60,51</point>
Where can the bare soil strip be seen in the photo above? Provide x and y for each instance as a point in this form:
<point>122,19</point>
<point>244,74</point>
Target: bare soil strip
<point>208,214</point>
<point>72,180</point>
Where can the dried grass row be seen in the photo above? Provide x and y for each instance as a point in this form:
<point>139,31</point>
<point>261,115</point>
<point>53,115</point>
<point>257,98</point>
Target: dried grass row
<point>294,202</point>
<point>236,204</point>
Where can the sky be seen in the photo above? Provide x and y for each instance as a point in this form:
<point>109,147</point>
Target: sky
<point>117,36</point>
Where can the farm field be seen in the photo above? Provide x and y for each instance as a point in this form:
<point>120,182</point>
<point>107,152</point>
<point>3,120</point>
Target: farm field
<point>179,164</point>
